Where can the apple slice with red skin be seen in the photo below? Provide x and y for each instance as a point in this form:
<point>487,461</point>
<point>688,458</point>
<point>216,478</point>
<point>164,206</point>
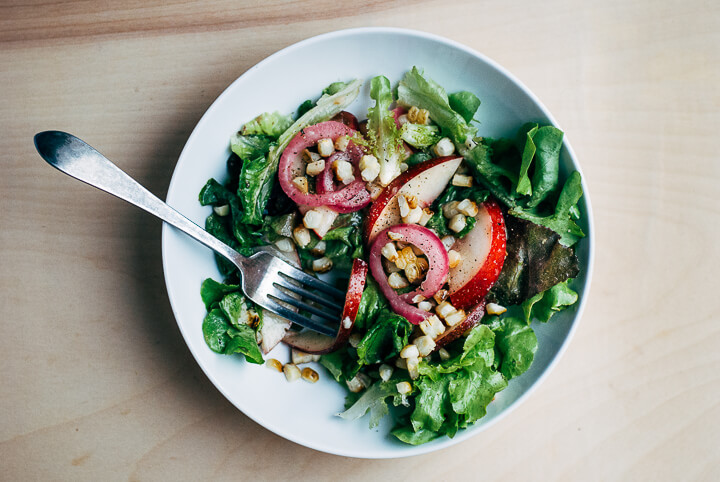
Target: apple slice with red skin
<point>471,321</point>
<point>482,252</point>
<point>317,344</point>
<point>426,181</point>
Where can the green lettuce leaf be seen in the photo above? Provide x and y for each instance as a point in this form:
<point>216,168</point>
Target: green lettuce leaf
<point>384,339</point>
<point>409,436</point>
<point>215,194</point>
<point>372,303</point>
<point>416,90</point>
<point>235,309</point>
<point>545,304</point>
<point>242,339</point>
<point>418,135</point>
<point>372,400</point>
<point>215,328</point>
<point>473,389</point>
<point>464,103</point>
<point>548,142</point>
<point>431,404</point>
<point>561,221</point>
<point>382,130</point>
<point>250,147</point>
<point>517,343</point>
<point>212,291</point>
<point>271,124</point>
<point>524,185</point>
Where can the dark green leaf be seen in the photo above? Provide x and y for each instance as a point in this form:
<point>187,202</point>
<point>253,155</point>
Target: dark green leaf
<point>234,307</point>
<point>242,339</point>
<point>250,147</point>
<point>372,303</point>
<point>215,328</point>
<point>304,107</point>
<point>256,182</point>
<point>214,193</point>
<point>212,292</point>
<point>548,141</point>
<point>384,339</point>
<point>464,103</point>
<point>418,158</point>
<point>535,262</point>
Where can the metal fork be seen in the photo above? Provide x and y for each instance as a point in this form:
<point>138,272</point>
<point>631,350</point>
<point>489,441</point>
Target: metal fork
<point>266,279</point>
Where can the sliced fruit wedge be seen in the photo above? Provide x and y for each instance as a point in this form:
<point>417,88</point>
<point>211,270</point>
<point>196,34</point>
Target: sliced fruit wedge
<point>473,319</point>
<point>317,344</point>
<point>482,252</point>
<point>425,181</point>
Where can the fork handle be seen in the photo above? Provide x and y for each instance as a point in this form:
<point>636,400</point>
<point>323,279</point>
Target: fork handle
<point>77,159</point>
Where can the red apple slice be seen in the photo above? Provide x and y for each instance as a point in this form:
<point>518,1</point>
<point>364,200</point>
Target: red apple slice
<point>426,181</point>
<point>483,253</point>
<point>451,334</point>
<point>317,344</point>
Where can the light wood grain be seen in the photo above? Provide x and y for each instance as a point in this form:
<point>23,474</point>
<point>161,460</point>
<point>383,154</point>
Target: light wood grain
<point>97,383</point>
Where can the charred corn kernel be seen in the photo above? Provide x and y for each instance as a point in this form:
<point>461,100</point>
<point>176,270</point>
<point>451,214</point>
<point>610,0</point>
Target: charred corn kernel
<point>326,147</point>
<point>440,296</point>
<point>223,210</point>
<point>457,223</point>
<point>495,309</point>
<point>395,236</point>
<point>403,388</point>
<point>408,254</point>
<point>418,116</point>
<point>315,168</point>
<point>412,273</point>
<point>284,245</point>
<point>448,241</point>
<point>412,367</point>
<point>404,167</point>
<point>292,372</point>
<point>274,364</point>
<point>309,375</point>
<point>389,251</point>
<point>461,180</point>
<point>426,215</point>
<point>302,236</point>
<point>422,263</point>
<point>309,156</point>
<point>322,265</point>
<point>418,298</point>
<point>409,351</point>
<point>385,372</point>
<point>454,258</point>
<point>301,183</point>
<point>343,171</point>
<point>444,355</point>
<point>425,305</point>
<point>414,216</point>
<point>454,318</point>
<point>397,281</point>
<point>467,207</point>
<point>445,309</point>
<point>444,147</point>
<point>319,248</point>
<point>450,209</point>
<point>400,363</point>
<point>437,326</point>
<point>426,327</point>
<point>390,267</point>
<point>313,219</point>
<point>369,167</point>
<point>374,190</point>
<point>425,345</point>
<point>417,251</point>
<point>412,201</point>
<point>299,357</point>
<point>403,119</point>
<point>341,143</point>
<point>355,384</point>
<point>354,340</point>
<point>403,205</point>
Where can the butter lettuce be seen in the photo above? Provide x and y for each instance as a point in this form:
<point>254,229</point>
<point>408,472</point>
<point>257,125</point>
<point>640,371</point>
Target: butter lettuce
<point>382,131</point>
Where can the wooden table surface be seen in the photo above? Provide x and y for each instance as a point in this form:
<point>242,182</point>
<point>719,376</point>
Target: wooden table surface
<point>97,383</point>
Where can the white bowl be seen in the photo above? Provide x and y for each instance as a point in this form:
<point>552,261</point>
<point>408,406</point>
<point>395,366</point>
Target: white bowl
<point>303,412</point>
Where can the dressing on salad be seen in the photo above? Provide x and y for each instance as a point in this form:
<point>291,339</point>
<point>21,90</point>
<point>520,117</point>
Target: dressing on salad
<point>449,243</point>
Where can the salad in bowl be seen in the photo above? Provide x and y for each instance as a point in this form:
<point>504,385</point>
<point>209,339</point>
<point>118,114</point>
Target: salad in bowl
<point>449,243</point>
